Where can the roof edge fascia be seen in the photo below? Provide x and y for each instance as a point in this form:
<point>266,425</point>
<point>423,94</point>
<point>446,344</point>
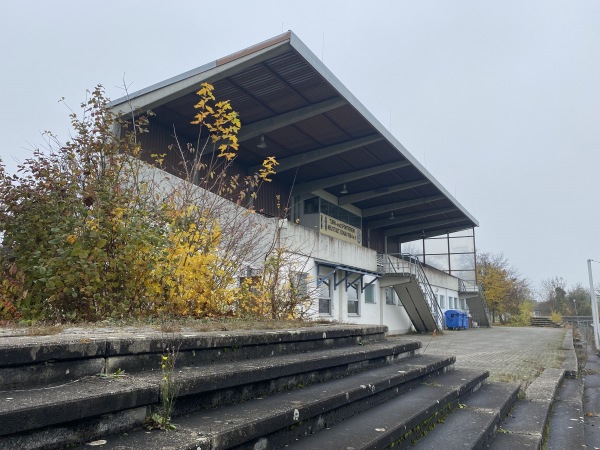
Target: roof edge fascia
<point>164,91</point>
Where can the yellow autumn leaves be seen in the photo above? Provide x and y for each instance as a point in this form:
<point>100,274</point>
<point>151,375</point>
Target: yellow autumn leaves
<point>88,237</point>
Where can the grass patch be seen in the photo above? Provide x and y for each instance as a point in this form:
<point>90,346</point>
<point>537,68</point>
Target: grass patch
<point>43,330</point>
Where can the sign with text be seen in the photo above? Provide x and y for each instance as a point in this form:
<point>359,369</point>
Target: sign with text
<point>341,230</point>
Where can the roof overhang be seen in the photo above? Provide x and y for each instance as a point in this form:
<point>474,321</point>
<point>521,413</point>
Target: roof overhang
<point>324,138</point>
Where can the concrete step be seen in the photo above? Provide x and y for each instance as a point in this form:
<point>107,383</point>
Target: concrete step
<point>543,322</point>
<point>273,421</point>
<point>199,387</point>
<point>401,420</point>
<point>567,421</point>
<point>474,422</point>
<point>37,361</point>
<point>591,398</point>
<point>525,426</point>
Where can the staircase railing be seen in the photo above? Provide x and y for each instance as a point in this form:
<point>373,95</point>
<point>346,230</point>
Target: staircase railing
<point>484,303</point>
<point>464,286</point>
<point>408,264</point>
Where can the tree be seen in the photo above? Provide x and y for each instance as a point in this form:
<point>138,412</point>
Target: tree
<point>504,288</point>
<point>569,302</point>
<point>89,231</point>
<point>579,301</point>
<point>553,291</point>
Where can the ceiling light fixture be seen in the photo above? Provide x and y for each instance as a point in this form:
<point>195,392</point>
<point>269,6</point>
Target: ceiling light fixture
<point>262,143</point>
<point>344,189</point>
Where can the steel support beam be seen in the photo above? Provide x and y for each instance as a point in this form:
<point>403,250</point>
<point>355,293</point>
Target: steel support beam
<point>419,235</point>
<point>322,183</point>
<point>292,162</point>
<point>381,223</point>
<point>423,227</point>
<point>369,212</point>
<point>373,193</point>
<point>281,120</point>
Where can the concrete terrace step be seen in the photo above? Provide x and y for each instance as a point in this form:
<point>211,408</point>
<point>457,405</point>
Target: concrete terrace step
<point>543,322</point>
<point>526,424</point>
<point>336,362</point>
<point>272,421</point>
<point>208,386</point>
<point>400,420</point>
<point>30,361</point>
<point>475,421</point>
<point>567,421</point>
<point>37,408</point>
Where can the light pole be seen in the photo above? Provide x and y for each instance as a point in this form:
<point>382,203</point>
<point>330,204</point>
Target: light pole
<point>576,315</point>
<point>594,305</point>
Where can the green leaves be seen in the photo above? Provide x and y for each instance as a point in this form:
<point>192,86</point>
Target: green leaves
<point>88,235</point>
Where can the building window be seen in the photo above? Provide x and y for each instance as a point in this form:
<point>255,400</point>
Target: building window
<point>325,296</point>
<point>340,214</point>
<point>389,296</point>
<point>352,295</point>
<point>300,285</point>
<point>442,304</point>
<point>311,205</point>
<point>370,294</point>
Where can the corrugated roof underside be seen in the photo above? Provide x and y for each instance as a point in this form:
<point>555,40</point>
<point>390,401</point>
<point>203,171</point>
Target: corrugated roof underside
<point>287,83</point>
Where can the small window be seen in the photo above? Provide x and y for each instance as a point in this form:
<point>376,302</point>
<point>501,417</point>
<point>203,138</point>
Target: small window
<point>370,294</point>
<point>442,304</point>
<point>352,295</point>
<point>389,296</point>
<point>311,205</point>
<point>325,296</point>
<point>300,284</point>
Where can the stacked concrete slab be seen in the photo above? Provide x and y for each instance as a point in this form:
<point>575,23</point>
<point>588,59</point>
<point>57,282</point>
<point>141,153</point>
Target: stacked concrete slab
<point>339,386</point>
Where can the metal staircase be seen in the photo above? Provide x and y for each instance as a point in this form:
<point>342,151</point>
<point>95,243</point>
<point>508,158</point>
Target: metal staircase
<point>405,274</point>
<point>476,301</point>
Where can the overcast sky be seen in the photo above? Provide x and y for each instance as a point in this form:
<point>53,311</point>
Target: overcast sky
<point>500,100</point>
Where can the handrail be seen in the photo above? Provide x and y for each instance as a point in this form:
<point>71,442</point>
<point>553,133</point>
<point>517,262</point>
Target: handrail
<point>484,302</point>
<point>464,286</point>
<point>406,263</point>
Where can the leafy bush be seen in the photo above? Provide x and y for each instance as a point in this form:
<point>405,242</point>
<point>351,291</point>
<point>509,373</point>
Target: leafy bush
<point>88,233</point>
<point>556,317</point>
<point>523,319</point>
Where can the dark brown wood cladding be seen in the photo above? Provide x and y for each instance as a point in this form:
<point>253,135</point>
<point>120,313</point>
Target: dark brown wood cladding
<point>271,199</point>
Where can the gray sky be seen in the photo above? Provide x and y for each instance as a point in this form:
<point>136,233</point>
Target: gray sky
<point>499,99</point>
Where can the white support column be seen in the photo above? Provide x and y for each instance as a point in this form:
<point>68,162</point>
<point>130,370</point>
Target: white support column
<point>594,306</point>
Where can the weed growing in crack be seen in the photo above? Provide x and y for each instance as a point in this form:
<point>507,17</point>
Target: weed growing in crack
<point>161,419</point>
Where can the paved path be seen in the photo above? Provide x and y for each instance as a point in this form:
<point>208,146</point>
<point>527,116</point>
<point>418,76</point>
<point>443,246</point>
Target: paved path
<point>511,354</point>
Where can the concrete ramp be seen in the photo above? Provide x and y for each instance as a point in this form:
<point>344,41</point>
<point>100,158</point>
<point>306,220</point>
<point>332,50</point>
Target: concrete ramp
<point>478,309</point>
<point>411,295</point>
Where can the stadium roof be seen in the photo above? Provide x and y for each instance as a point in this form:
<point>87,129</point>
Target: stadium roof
<point>324,139</point>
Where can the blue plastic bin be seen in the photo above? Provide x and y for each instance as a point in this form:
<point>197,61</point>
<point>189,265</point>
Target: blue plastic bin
<point>453,319</point>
